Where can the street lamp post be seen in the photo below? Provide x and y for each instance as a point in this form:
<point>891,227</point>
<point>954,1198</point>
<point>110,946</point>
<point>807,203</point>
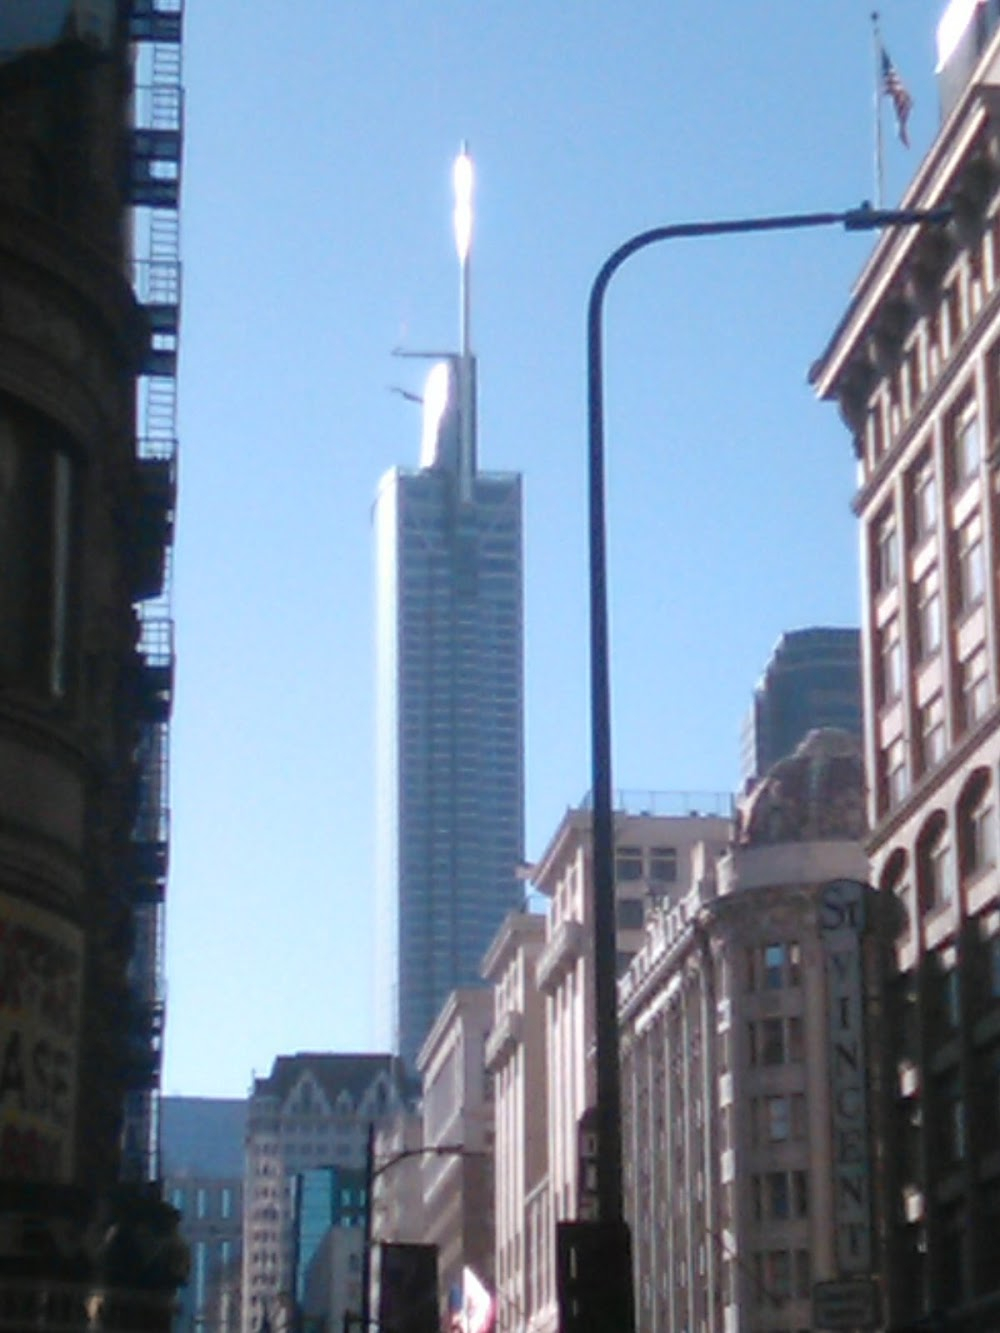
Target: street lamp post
<point>373,1170</point>
<point>864,218</point>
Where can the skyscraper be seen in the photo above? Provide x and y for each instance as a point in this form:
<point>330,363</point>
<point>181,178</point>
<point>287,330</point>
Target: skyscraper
<point>450,787</point>
<point>812,680</point>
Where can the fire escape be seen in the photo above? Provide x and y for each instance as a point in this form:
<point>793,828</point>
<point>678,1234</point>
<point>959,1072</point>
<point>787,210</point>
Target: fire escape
<point>154,194</point>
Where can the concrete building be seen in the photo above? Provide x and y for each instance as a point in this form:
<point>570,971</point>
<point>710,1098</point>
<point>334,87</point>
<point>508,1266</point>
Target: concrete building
<point>450,710</point>
<point>398,1184</point>
<point>458,1114</point>
<point>914,366</point>
<point>516,1058</point>
<point>85,525</point>
<point>202,1158</point>
<point>332,1281</point>
<point>313,1110</point>
<point>812,680</point>
<point>654,863</point>
<point>749,1112</point>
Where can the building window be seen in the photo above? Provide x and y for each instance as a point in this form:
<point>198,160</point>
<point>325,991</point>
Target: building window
<point>928,615</point>
<point>969,549</point>
<point>924,499</point>
<point>895,772</point>
<point>201,1202</point>
<point>774,966</point>
<point>975,687</point>
<point>771,1041</point>
<point>37,540</point>
<point>803,1274</point>
<point>628,864</point>
<point>226,1202</point>
<point>953,1122</point>
<point>776,1041</point>
<point>778,1195</point>
<point>932,737</point>
<point>774,1275</point>
<point>892,660</point>
<point>800,1193</point>
<point>663,865</point>
<point>886,552</point>
<point>630,913</point>
<point>967,448</point>
<point>783,1118</point>
<point>977,825</point>
<point>934,861</point>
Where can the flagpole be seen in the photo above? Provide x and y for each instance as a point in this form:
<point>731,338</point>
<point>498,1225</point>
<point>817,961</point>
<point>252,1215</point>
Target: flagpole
<point>879,168</point>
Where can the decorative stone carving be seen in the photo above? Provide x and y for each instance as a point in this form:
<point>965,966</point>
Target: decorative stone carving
<point>815,795</point>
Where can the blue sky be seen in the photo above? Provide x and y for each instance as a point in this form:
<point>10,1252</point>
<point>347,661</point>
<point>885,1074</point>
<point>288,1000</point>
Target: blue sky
<point>317,237</point>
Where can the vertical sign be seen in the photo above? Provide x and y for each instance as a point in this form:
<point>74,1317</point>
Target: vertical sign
<point>841,921</point>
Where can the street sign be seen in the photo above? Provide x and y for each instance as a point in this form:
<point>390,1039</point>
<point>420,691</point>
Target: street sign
<point>848,1304</point>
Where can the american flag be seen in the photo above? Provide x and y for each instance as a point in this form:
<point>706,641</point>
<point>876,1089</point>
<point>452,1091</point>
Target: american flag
<point>894,88</point>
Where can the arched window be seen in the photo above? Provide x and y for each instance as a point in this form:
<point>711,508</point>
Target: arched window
<point>935,864</point>
<point>977,838</point>
<point>893,881</point>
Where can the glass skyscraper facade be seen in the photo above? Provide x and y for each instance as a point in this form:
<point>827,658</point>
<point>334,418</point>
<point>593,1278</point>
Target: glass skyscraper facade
<point>449,651</point>
<point>812,680</point>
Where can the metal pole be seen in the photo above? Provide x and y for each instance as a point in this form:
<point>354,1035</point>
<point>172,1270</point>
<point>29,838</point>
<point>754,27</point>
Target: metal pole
<point>609,1145</point>
<point>366,1251</point>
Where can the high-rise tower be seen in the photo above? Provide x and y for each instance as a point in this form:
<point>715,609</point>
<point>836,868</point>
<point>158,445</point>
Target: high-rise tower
<point>450,700</point>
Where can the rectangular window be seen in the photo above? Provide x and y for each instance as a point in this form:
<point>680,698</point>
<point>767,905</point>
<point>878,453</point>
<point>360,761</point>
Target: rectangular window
<point>794,963</point>
<point>895,772</point>
<point>772,1042</point>
<point>892,661</point>
<point>886,552</point>
<point>800,1193</point>
<point>778,1119</point>
<point>803,1278</point>
<point>967,448</point>
<point>932,737</point>
<point>774,1275</point>
<point>630,913</point>
<point>796,1040</point>
<point>924,499</point>
<point>774,966</point>
<point>975,686</point>
<point>778,1197</point>
<point>663,865</point>
<point>928,598</point>
<point>37,522</point>
<point>628,864</point>
<point>969,554</point>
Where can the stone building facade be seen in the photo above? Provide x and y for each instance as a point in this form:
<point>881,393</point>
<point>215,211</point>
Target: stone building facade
<point>458,1119</point>
<point>750,1107</point>
<point>83,541</point>
<point>312,1110</point>
<point>914,366</point>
